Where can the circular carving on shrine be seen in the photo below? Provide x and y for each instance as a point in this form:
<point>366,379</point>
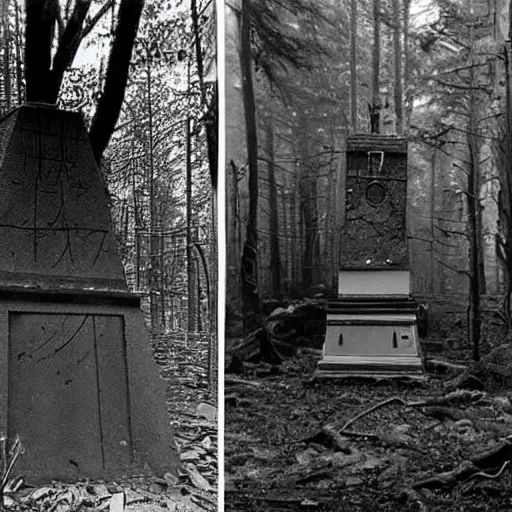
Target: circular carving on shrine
<point>375,193</point>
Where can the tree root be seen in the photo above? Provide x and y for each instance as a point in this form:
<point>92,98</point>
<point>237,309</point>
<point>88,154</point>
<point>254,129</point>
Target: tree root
<point>374,408</point>
<point>257,346</point>
<point>430,406</point>
<point>496,458</point>
<point>489,476</point>
<point>458,396</point>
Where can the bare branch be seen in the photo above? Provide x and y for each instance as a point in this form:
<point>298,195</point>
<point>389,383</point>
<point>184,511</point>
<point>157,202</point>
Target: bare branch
<point>68,46</point>
<point>457,270</point>
<point>96,18</point>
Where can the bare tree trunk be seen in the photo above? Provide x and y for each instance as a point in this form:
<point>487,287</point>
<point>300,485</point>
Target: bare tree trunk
<point>353,64</point>
<point>474,253</point>
<point>481,252</point>
<point>275,258</point>
<point>294,235</point>
<point>41,17</point>
<point>197,269</point>
<point>43,74</point>
<point>473,201</point>
<point>407,68</point>
<point>69,40</point>
<point>397,50</point>
<point>432,221</point>
<point>162,280</point>
<point>375,104</point>
<point>191,310</point>
<point>7,54</point>
<point>153,240</point>
<point>111,100</point>
<point>251,304</point>
<point>307,190</point>
<point>18,43</point>
<point>212,109</point>
<point>233,255</point>
<point>212,303</point>
<point>285,229</point>
<point>504,243</point>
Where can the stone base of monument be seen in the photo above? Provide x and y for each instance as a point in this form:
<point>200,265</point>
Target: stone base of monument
<point>78,381</point>
<point>372,328</point>
<point>81,389</point>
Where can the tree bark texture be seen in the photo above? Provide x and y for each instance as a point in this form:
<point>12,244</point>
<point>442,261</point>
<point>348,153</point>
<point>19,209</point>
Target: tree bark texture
<point>397,50</point>
<point>353,64</point>
<point>309,210</point>
<point>275,257</point>
<point>111,100</point>
<point>474,226</point>
<point>251,305</point>
<point>375,103</point>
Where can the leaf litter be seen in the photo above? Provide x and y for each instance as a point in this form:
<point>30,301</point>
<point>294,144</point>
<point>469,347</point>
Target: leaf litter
<point>293,443</point>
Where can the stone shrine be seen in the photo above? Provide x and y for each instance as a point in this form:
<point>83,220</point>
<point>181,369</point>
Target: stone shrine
<point>79,382</point>
<point>372,326</point>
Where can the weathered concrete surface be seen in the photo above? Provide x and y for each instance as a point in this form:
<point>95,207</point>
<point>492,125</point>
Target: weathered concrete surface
<point>82,389</point>
<point>79,383</point>
<point>375,227</point>
<point>54,217</point>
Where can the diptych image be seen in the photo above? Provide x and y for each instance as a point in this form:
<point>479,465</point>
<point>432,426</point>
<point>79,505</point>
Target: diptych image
<point>255,255</point>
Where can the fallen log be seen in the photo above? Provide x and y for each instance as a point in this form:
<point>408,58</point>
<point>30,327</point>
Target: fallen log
<point>493,371</point>
<point>256,347</point>
<point>304,321</point>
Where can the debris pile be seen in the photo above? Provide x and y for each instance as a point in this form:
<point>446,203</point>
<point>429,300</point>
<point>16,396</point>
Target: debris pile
<point>183,361</point>
<point>130,494</point>
<point>196,439</point>
<point>184,364</point>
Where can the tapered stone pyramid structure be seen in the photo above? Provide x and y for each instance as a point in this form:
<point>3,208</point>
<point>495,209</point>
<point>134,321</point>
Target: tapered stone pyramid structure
<point>78,383</point>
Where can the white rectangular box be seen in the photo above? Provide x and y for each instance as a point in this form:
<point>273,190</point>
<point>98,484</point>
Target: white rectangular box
<point>374,282</point>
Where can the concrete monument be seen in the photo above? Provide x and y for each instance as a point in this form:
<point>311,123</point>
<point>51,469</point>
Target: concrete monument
<point>79,383</point>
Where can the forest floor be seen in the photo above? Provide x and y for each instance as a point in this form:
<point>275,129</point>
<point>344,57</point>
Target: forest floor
<point>183,363</point>
<point>278,456</point>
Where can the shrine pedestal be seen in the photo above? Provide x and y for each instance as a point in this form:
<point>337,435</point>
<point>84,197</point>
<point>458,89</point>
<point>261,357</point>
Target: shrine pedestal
<point>372,327</point>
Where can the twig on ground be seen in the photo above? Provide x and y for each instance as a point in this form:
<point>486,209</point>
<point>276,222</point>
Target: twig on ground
<point>236,381</point>
<point>455,396</point>
<point>488,475</point>
<point>374,408</point>
<point>353,433</point>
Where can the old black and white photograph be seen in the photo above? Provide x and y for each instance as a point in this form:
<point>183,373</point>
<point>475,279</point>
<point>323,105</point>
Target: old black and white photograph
<point>368,166</point>
<point>108,256</point>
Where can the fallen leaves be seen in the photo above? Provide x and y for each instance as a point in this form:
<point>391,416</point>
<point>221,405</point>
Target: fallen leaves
<point>374,441</point>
